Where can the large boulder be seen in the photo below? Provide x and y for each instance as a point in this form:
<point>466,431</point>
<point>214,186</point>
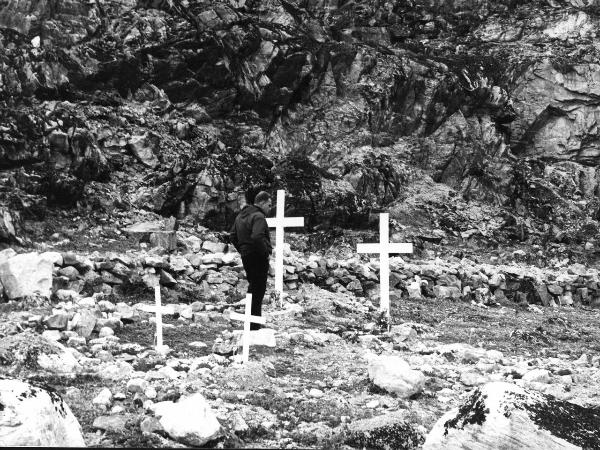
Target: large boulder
<point>30,351</point>
<point>503,415</point>
<point>26,274</point>
<point>34,416</point>
<point>394,375</point>
<point>190,421</point>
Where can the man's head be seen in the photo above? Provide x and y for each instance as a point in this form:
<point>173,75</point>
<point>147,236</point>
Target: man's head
<point>263,201</point>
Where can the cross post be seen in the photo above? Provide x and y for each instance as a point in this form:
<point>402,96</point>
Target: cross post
<point>160,348</point>
<point>247,317</point>
<point>280,222</point>
<point>384,248</point>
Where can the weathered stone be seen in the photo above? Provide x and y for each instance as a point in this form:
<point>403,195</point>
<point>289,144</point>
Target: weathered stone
<point>137,385</point>
<point>70,272</point>
<point>144,148</point>
<point>190,421</point>
<point>542,292</point>
<point>504,413</point>
<point>214,247</point>
<point>555,289</point>
<point>33,416</point>
<point>445,292</point>
<point>164,239</point>
<point>115,422</point>
<point>214,278</point>
<point>84,322</point>
<point>35,351</point>
<point>537,375</point>
<point>394,374</point>
<point>57,321</point>
<point>104,398</point>
<point>166,278</point>
<point>26,274</point>
<point>67,295</point>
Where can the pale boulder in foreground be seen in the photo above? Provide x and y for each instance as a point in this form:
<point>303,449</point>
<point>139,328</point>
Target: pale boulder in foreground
<point>190,421</point>
<point>394,374</point>
<point>32,416</point>
<point>503,415</point>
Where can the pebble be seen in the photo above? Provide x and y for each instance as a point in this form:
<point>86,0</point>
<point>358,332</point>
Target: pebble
<point>316,393</point>
<point>372,404</point>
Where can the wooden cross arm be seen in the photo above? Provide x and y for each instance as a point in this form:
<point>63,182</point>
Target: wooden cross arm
<point>386,248</point>
<point>287,221</point>
<point>242,317</point>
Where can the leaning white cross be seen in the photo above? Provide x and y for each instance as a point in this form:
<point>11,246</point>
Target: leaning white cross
<point>280,222</point>
<point>384,248</point>
<point>160,348</point>
<point>247,318</point>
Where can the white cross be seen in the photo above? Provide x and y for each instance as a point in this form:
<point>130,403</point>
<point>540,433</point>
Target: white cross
<point>280,222</point>
<point>160,348</point>
<point>247,318</point>
<point>384,248</point>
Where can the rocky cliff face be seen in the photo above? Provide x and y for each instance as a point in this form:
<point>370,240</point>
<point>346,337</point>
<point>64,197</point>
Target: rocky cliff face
<point>177,106</point>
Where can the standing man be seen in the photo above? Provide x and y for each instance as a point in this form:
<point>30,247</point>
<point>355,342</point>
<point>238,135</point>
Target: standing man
<point>250,236</point>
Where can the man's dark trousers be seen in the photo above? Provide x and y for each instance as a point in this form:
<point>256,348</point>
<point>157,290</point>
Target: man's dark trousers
<point>257,270</point>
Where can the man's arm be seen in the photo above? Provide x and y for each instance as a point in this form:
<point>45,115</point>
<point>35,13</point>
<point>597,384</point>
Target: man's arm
<point>259,230</point>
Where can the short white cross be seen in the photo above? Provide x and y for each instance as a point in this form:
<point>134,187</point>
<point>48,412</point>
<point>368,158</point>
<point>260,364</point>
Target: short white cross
<point>384,248</point>
<point>247,318</point>
<point>159,331</point>
<point>280,222</point>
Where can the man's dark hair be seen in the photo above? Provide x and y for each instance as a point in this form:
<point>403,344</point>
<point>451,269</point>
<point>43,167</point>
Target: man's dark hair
<point>261,197</point>
<point>251,194</point>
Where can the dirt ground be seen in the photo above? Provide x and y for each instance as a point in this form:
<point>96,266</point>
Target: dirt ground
<point>337,369</point>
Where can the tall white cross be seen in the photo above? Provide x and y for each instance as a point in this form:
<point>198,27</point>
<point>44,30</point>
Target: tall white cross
<point>280,222</point>
<point>247,318</point>
<point>384,248</point>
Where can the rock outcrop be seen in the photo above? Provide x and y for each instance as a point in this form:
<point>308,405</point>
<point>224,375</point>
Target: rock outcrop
<point>178,107</point>
<point>503,414</point>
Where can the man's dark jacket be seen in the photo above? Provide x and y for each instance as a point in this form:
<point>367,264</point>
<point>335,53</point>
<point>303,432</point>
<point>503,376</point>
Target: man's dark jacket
<point>250,232</point>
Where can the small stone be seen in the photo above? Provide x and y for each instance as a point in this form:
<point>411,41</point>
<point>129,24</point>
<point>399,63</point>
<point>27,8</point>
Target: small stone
<point>105,331</point>
<point>57,321</point>
<point>150,392</point>
<point>137,385</point>
<point>52,335</point>
<point>115,423</point>
<point>70,272</point>
<point>104,398</point>
<point>150,425</point>
<point>197,344</point>
<point>316,393</point>
<point>537,375</point>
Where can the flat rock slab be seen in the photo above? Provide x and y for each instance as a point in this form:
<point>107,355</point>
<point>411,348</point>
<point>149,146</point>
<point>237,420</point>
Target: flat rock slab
<point>114,423</point>
<point>504,415</point>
